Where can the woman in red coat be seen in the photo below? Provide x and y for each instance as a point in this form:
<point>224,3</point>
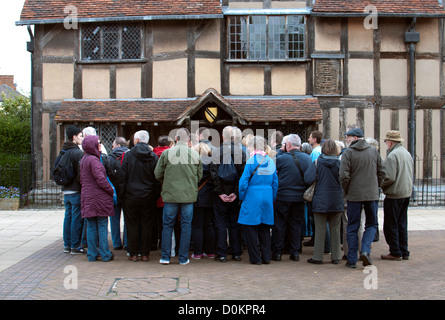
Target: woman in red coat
<point>96,199</point>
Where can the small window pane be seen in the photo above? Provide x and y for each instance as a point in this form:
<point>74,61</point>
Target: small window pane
<point>91,43</point>
<point>277,37</point>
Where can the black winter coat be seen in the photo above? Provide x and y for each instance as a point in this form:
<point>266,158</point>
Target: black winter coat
<point>328,195</point>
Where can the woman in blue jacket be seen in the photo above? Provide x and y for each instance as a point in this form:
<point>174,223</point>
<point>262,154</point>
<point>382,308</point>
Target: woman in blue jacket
<point>327,203</point>
<point>258,188</point>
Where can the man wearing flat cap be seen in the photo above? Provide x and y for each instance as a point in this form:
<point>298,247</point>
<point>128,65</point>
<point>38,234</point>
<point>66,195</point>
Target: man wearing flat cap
<point>361,174</point>
<point>397,187</point>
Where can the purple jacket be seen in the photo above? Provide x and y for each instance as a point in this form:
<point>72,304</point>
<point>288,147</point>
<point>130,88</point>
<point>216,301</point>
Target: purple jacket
<point>96,192</point>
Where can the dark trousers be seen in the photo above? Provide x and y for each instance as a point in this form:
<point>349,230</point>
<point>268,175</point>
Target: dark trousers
<point>140,215</point>
<point>203,234</point>
<point>258,241</point>
<point>225,219</point>
<point>395,226</point>
<point>288,215</point>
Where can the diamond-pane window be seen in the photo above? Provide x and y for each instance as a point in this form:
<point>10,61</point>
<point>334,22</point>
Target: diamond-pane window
<point>111,42</point>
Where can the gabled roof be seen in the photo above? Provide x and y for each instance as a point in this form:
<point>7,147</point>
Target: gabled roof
<point>8,92</point>
<point>384,7</point>
<point>53,11</point>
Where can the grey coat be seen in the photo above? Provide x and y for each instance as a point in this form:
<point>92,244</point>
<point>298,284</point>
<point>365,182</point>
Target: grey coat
<point>361,172</point>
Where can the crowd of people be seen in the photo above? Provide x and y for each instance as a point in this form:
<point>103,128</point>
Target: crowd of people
<point>189,194</point>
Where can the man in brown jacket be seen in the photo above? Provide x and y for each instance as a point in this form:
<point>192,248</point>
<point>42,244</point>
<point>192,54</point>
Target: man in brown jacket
<point>361,174</point>
<point>398,187</point>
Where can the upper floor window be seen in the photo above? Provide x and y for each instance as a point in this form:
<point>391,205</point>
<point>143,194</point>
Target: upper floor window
<point>102,42</point>
<point>267,37</point>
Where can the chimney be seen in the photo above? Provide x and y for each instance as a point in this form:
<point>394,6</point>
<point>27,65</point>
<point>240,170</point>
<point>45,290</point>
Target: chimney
<point>8,80</point>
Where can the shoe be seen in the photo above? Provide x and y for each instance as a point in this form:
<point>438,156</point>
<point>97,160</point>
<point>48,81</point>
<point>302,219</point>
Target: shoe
<point>390,257</point>
<point>236,258</point>
<point>66,250</point>
<point>309,243</point>
<point>111,258</point>
<point>335,261</point>
<point>210,255</point>
<point>276,257</point>
<point>294,257</point>
<point>256,263</point>
<point>350,265</point>
<point>133,258</point>
<point>314,261</point>
<point>222,259</point>
<point>364,256</point>
<point>196,256</point>
<point>162,261</point>
<point>265,262</point>
<point>118,248</point>
<point>145,258</point>
<point>79,250</point>
<point>405,258</point>
<point>184,263</point>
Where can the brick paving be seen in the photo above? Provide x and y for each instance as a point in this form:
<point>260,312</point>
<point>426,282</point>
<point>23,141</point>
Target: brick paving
<point>47,275</point>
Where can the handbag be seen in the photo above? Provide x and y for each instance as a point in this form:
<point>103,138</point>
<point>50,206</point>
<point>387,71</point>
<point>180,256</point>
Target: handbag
<point>309,193</point>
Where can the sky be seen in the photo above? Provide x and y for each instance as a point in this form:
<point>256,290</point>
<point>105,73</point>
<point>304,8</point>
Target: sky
<point>14,59</point>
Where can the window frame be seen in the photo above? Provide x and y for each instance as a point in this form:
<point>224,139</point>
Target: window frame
<point>247,52</point>
<point>120,27</point>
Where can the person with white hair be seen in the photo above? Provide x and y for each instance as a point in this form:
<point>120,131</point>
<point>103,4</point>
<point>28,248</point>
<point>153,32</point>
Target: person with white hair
<point>91,131</point>
<point>296,172</point>
<point>139,191</point>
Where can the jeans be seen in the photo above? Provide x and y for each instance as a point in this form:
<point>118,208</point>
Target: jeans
<point>72,223</point>
<point>97,238</point>
<point>115,227</point>
<point>354,209</point>
<point>395,226</point>
<point>169,218</point>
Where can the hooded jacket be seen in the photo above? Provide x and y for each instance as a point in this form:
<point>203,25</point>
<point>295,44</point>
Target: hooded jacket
<point>328,194</point>
<point>97,193</point>
<point>138,178</point>
<point>179,170</point>
<point>75,155</point>
<point>361,172</point>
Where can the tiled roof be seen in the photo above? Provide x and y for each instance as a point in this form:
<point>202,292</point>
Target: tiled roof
<point>151,110</point>
<point>54,9</point>
<point>383,6</point>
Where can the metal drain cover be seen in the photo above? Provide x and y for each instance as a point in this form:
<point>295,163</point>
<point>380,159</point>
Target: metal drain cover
<point>146,285</point>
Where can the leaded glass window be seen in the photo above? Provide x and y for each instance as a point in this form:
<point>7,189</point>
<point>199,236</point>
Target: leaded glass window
<point>111,42</point>
<point>262,37</point>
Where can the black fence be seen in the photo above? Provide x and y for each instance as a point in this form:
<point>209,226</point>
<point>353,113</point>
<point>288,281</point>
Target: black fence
<point>429,186</point>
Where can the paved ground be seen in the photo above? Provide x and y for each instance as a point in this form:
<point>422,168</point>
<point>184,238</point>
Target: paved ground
<point>34,267</point>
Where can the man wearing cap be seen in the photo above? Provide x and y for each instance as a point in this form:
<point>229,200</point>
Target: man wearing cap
<point>397,187</point>
<point>361,173</point>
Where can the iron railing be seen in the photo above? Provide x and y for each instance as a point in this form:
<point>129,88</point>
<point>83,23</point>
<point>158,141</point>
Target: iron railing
<point>429,184</point>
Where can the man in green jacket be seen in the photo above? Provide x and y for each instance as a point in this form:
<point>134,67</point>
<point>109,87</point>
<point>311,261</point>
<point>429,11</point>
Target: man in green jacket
<point>361,174</point>
<point>179,169</point>
<point>397,187</point>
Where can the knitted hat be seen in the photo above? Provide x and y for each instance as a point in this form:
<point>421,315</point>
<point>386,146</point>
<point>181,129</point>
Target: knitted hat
<point>394,135</point>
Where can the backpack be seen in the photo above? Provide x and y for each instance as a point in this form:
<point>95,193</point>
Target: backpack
<point>63,170</point>
<point>227,172</point>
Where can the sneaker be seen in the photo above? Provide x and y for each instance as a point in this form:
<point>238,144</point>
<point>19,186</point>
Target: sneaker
<point>184,263</point>
<point>196,256</point>
<point>210,255</point>
<point>162,261</point>
<point>79,250</point>
<point>66,250</point>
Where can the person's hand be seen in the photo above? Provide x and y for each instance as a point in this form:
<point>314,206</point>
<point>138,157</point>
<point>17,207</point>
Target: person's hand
<point>223,197</point>
<point>231,197</point>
